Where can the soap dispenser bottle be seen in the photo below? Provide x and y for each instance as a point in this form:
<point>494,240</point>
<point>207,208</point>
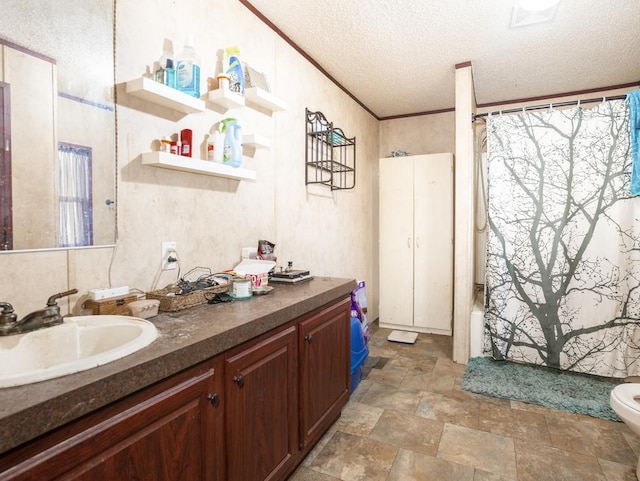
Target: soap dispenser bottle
<point>188,69</point>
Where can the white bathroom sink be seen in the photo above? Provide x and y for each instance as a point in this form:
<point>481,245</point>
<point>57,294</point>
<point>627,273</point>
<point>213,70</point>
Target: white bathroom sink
<point>78,344</point>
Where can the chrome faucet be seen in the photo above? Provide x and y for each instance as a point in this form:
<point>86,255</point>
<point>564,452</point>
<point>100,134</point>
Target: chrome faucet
<point>47,317</point>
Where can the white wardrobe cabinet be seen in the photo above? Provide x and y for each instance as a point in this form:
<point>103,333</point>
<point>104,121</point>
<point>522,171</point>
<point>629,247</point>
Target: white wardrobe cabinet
<point>416,243</point>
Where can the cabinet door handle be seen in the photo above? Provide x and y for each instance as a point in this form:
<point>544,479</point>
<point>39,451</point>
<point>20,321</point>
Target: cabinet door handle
<point>308,338</point>
<point>418,242</point>
<point>214,399</point>
<point>409,242</point>
<point>239,380</point>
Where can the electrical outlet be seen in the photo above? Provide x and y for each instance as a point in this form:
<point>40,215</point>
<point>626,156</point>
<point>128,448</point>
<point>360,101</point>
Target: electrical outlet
<point>169,252</point>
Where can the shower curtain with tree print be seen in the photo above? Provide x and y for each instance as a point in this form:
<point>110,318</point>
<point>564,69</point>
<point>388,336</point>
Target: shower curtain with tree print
<point>563,250</point>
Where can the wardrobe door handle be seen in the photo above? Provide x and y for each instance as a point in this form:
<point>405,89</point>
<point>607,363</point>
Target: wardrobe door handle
<point>214,399</point>
<point>239,380</point>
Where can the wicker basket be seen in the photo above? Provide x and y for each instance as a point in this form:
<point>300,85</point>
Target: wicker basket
<point>172,303</point>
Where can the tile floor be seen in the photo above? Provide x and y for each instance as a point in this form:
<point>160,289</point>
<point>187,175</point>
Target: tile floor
<point>408,420</point>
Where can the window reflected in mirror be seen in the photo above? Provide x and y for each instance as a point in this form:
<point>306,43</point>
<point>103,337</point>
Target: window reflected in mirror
<point>75,204</point>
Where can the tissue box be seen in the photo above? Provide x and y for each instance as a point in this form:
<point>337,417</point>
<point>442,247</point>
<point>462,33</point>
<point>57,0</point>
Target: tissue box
<point>111,305</point>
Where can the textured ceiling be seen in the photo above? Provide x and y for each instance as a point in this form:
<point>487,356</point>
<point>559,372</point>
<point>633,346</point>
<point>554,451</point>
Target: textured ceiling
<point>398,57</point>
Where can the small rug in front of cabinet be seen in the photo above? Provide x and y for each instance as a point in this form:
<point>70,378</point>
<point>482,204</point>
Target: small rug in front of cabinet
<point>563,390</point>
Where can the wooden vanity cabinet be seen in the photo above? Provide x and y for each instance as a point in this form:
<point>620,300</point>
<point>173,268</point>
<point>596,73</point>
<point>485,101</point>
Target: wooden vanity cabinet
<point>250,414</point>
<point>283,391</point>
<point>170,431</point>
<point>261,408</point>
<point>324,346</point>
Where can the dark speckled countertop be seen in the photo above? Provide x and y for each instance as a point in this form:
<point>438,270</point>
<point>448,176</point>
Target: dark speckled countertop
<point>185,338</point>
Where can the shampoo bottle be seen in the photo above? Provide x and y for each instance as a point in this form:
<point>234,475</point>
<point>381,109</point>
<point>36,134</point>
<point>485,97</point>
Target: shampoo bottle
<point>188,69</point>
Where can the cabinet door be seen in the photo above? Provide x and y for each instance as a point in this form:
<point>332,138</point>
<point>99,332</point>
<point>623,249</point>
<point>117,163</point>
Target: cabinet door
<point>324,344</point>
<point>169,432</point>
<point>261,408</point>
<point>433,253</point>
<point>396,241</point>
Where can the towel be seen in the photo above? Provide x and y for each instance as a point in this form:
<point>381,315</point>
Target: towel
<point>634,126</point>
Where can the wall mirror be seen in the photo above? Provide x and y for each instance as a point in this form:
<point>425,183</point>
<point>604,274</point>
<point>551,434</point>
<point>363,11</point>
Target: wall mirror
<point>57,119</point>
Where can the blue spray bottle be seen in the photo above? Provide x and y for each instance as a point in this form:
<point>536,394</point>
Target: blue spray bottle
<point>232,142</point>
<point>235,70</point>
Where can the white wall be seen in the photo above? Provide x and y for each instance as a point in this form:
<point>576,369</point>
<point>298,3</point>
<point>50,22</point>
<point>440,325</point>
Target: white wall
<point>332,234</point>
<point>212,218</point>
<point>423,134</point>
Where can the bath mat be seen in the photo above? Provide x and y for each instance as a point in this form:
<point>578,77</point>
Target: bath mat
<point>403,336</point>
<point>566,391</point>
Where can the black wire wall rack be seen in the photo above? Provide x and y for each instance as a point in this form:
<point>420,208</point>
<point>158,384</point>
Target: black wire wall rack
<point>330,157</point>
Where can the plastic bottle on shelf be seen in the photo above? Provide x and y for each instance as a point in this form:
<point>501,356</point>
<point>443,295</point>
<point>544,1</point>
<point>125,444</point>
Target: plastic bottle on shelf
<point>211,146</point>
<point>188,69</point>
<point>186,139</point>
<point>176,147</point>
<point>222,77</point>
<point>223,81</point>
<point>166,72</point>
<point>165,144</point>
<point>235,72</point>
<point>232,142</point>
<point>218,146</point>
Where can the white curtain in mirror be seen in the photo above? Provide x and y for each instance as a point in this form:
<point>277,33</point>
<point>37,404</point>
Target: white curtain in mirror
<point>74,196</point>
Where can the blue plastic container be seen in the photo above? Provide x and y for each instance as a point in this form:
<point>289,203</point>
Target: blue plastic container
<point>232,154</point>
<point>359,352</point>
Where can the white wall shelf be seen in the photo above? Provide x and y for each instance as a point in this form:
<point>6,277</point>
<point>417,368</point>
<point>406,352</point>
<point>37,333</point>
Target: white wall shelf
<point>264,99</point>
<point>152,91</point>
<point>226,98</point>
<point>256,141</point>
<point>188,164</point>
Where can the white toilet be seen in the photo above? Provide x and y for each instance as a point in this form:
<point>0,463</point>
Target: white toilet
<point>625,401</point>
